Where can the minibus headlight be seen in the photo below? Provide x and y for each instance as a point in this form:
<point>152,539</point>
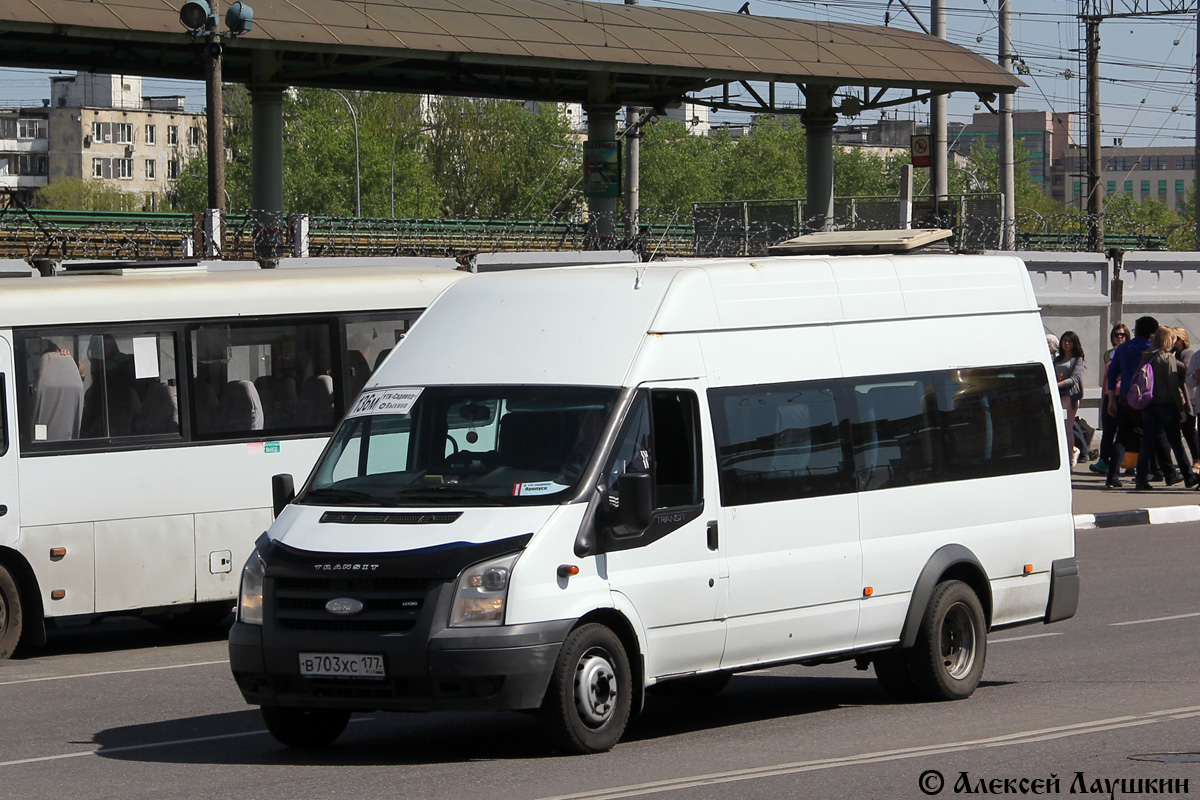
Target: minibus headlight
<point>250,599</point>
<point>482,593</point>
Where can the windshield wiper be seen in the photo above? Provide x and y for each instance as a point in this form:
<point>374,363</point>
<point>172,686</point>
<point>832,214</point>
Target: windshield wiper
<point>441,489</point>
<point>333,493</point>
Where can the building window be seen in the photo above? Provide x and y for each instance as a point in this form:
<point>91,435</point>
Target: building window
<point>1179,190</point>
<point>1077,187</point>
<point>1185,162</point>
<point>8,128</point>
<point>124,167</point>
<point>32,165</point>
<point>1162,189</point>
<point>1118,164</point>
<point>101,132</point>
<point>1154,162</point>
<point>1128,187</point>
<point>172,134</point>
<point>31,129</point>
<point>173,169</point>
<point>123,132</point>
<point>1145,188</point>
<point>151,134</point>
<point>151,169</point>
<point>1112,187</point>
<point>195,139</point>
<point>101,168</point>
<point>1056,179</point>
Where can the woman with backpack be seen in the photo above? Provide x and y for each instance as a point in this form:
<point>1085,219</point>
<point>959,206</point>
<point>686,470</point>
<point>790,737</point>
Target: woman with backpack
<point>1166,411</point>
<point>1068,368</point>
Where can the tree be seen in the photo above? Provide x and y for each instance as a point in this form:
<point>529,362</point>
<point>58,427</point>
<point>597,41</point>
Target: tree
<point>89,195</point>
<point>493,158</point>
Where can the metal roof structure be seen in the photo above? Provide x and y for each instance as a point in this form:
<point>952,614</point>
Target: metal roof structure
<point>543,50</point>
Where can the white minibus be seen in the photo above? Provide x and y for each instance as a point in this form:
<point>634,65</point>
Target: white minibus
<point>144,411</point>
<point>567,487</point>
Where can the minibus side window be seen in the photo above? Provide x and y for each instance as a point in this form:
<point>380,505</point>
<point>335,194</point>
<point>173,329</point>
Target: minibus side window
<point>781,442</point>
<point>897,439</point>
<point>676,453</point>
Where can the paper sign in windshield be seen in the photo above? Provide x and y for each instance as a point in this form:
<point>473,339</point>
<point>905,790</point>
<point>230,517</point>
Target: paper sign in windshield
<point>386,401</point>
<point>536,488</point>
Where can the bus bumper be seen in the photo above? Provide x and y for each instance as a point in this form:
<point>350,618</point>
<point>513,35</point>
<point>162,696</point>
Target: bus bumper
<point>461,669</point>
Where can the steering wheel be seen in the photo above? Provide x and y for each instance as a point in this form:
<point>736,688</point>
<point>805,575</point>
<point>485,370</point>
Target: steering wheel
<point>453,444</point>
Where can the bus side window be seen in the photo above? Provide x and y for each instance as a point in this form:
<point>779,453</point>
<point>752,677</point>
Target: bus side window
<point>3,414</point>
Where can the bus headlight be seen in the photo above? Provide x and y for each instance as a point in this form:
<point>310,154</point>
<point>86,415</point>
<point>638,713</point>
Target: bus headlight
<point>482,593</point>
<point>250,598</point>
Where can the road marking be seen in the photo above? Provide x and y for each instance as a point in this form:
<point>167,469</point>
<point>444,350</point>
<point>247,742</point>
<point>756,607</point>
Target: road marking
<point>1023,737</point>
<point>1022,638</point>
<point>111,672</point>
<point>1154,619</point>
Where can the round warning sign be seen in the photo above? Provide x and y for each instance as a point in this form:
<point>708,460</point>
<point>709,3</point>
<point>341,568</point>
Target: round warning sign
<point>920,150</point>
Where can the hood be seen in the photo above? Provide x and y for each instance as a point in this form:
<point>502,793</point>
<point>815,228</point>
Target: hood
<point>323,529</point>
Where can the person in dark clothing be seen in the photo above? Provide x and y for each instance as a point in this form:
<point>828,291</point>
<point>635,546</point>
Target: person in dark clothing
<point>1167,410</point>
<point>1126,360</point>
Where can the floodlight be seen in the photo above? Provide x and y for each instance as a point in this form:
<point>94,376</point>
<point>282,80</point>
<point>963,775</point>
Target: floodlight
<point>196,14</point>
<point>239,18</point>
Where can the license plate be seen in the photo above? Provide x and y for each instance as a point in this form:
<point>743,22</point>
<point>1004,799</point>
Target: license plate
<point>341,665</point>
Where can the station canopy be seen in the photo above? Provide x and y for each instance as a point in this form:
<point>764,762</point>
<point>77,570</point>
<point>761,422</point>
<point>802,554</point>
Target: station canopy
<point>541,50</point>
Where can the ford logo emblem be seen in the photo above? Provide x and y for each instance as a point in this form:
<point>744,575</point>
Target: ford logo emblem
<point>344,606</point>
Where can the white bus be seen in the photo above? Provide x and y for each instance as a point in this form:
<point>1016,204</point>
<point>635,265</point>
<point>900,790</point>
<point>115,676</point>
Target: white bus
<point>143,413</point>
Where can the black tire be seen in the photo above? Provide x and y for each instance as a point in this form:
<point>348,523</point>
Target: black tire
<point>948,656</point>
<point>12,616</point>
<point>894,674</point>
<point>305,728</point>
<point>589,697</point>
<point>706,685</point>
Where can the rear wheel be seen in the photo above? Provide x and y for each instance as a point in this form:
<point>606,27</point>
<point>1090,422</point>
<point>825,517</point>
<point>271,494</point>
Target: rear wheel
<point>11,614</point>
<point>951,647</point>
<point>305,727</point>
<point>588,701</point>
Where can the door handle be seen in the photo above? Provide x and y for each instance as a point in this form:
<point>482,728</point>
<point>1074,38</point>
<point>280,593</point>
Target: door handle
<point>713,542</point>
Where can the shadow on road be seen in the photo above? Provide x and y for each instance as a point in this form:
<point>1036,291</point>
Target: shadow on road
<point>240,738</point>
<point>110,634</point>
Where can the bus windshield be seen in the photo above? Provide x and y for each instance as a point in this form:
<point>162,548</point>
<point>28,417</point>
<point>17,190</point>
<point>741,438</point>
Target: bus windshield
<point>462,445</point>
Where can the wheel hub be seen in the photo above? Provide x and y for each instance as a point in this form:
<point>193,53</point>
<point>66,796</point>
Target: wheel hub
<point>595,688</point>
<point>958,641</point>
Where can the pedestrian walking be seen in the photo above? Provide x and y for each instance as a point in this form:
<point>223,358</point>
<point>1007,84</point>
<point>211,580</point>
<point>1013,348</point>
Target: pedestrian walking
<point>1126,359</point>
<point>1162,418</point>
<point>1108,422</point>
<point>1069,367</point>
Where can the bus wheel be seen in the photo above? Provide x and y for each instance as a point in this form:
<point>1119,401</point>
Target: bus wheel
<point>11,618</point>
<point>947,657</point>
<point>588,701</point>
<point>305,727</point>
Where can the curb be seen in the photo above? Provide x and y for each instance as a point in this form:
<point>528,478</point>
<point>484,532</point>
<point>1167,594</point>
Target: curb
<point>1137,516</point>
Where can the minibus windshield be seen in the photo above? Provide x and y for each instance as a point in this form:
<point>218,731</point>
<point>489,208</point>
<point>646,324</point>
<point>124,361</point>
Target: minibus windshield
<point>462,446</point>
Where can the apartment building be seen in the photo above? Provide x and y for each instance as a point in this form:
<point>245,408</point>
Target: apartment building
<point>1160,173</point>
<point>102,128</point>
<point>24,152</point>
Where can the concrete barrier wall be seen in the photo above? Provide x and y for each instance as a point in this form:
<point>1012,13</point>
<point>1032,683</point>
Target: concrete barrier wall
<point>1082,291</point>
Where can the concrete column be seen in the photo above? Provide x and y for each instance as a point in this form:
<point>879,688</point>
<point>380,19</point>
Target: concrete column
<point>266,167</point>
<point>819,119</point>
<point>602,210</point>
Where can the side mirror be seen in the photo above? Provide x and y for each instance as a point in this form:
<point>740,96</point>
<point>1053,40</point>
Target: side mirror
<point>636,509</point>
<point>283,491</point>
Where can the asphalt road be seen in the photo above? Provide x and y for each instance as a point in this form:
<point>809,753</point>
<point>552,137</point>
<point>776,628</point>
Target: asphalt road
<point>123,710</point>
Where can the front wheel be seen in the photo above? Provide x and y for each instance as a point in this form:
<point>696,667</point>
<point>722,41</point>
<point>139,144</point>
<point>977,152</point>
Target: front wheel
<point>11,614</point>
<point>947,658</point>
<point>305,728</point>
<point>588,700</point>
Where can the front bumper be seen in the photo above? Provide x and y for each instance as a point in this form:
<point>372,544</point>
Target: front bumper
<point>467,669</point>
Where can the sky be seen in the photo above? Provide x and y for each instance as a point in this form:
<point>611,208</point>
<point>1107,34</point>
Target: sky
<point>1147,65</point>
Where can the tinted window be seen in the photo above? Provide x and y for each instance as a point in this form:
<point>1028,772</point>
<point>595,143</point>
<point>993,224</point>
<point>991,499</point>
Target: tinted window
<point>780,442</point>
<point>827,437</point>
